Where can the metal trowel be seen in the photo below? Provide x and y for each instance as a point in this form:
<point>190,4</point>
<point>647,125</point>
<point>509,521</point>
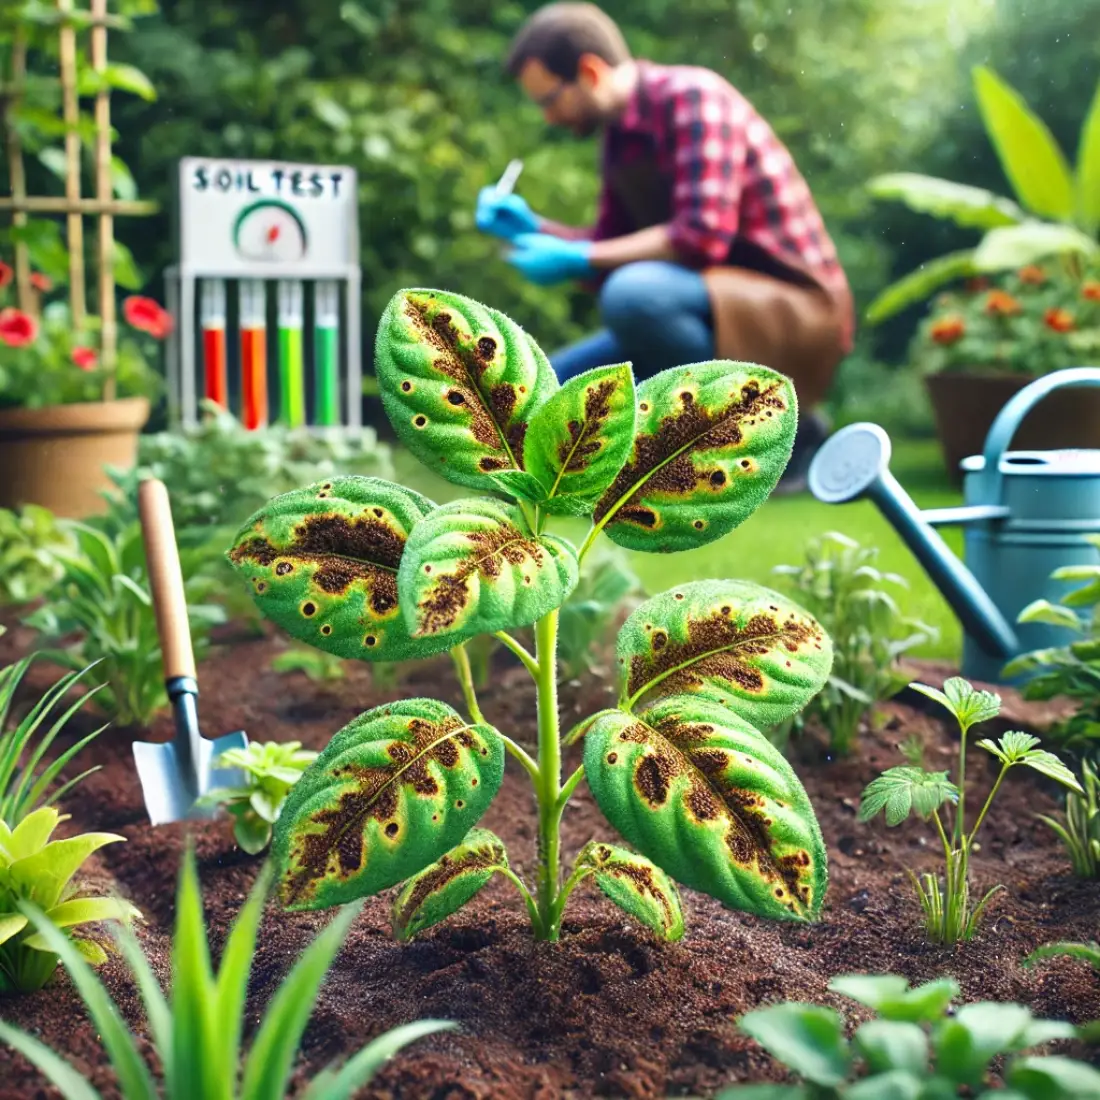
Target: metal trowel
<point>175,774</point>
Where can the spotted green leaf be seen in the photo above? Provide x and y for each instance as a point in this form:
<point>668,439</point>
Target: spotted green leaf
<point>711,442</point>
<point>322,564</point>
<point>578,440</point>
<point>393,791</point>
<point>473,566</point>
<point>444,887</point>
<point>709,799</point>
<point>734,642</point>
<point>637,886</point>
<point>459,382</point>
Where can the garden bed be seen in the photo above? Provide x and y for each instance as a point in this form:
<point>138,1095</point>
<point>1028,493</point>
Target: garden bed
<point>608,1011</point>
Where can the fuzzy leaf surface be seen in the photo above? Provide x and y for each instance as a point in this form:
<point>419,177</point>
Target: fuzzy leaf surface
<point>711,801</point>
<point>473,566</point>
<point>711,442</point>
<point>734,642</point>
<point>443,888</point>
<point>636,886</point>
<point>322,563</point>
<point>459,382</point>
<point>393,790</point>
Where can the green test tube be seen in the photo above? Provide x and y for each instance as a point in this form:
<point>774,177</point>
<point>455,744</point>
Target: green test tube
<point>292,389</point>
<point>326,336</point>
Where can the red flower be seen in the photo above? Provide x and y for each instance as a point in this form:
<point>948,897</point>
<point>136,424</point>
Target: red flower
<point>947,330</point>
<point>1090,291</point>
<point>1032,274</point>
<point>147,316</point>
<point>1001,302</point>
<point>1061,320</point>
<point>17,329</point>
<point>85,358</point>
<point>41,283</point>
<point>5,274</point>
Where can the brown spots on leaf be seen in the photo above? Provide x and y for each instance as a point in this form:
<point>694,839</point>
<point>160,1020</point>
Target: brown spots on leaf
<point>255,549</point>
<point>486,348</point>
<point>612,757</point>
<point>326,630</point>
<point>261,586</point>
<point>456,397</point>
<point>420,421</point>
<point>719,647</point>
<point>717,479</point>
<point>489,551</point>
<point>639,877</point>
<point>370,641</point>
<point>576,452</point>
<point>698,525</point>
<point>449,868</point>
<point>309,609</point>
<point>662,462</point>
<point>283,568</point>
<point>406,386</point>
<point>653,775</point>
<point>392,829</point>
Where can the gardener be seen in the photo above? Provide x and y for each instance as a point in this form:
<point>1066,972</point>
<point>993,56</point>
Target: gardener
<point>707,244</point>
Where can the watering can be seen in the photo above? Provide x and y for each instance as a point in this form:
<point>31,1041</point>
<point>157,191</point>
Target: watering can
<point>1025,514</point>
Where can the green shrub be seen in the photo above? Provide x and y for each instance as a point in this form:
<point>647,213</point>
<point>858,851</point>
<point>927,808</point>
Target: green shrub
<point>29,542</point>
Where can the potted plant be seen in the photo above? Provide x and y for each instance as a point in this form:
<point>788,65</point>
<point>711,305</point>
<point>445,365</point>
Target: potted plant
<point>74,385</point>
<point>984,341</point>
<point>1028,306</point>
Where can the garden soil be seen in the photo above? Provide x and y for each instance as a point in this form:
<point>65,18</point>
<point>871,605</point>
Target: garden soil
<point>608,1011</point>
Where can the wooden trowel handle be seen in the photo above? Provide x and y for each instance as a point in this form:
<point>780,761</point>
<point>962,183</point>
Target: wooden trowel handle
<point>165,579</point>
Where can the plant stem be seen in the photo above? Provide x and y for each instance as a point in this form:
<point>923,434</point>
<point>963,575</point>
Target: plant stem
<point>548,787</point>
<point>532,908</point>
<point>960,811</point>
<point>988,803</point>
<point>529,662</point>
<point>571,883</point>
<point>465,677</point>
<point>522,756</point>
<point>569,788</point>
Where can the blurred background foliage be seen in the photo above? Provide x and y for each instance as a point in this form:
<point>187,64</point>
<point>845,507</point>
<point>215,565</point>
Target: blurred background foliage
<point>411,93</point>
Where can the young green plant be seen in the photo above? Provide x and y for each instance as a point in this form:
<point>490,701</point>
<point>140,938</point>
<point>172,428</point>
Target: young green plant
<point>37,870</point>
<point>916,1047</point>
<point>270,770</point>
<point>949,916</point>
<point>840,586</point>
<point>368,569</point>
<point>196,1031</point>
<point>1079,827</point>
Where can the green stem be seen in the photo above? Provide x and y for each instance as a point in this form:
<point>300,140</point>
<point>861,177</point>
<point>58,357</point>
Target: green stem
<point>569,788</point>
<point>522,755</point>
<point>548,787</point>
<point>528,661</point>
<point>532,908</point>
<point>988,803</point>
<point>571,883</point>
<point>960,812</point>
<point>465,677</point>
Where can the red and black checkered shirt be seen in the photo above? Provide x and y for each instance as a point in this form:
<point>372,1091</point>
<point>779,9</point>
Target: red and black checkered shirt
<point>735,189</point>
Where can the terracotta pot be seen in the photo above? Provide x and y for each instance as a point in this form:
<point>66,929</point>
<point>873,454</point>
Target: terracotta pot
<point>55,456</point>
<point>965,404</point>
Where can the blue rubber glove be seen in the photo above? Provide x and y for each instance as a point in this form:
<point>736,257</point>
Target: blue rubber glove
<point>503,216</point>
<point>545,260</point>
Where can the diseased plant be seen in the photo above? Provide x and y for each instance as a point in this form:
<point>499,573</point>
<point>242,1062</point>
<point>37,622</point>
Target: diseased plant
<point>103,608</point>
<point>1071,670</point>
<point>24,778</point>
<point>196,1030</point>
<point>840,586</point>
<point>949,916</point>
<point>29,542</point>
<point>38,870</point>
<point>270,770</point>
<point>1079,827</point>
<point>916,1048</point>
<point>367,569</point>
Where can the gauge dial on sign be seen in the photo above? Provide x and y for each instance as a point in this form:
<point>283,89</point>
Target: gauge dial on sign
<point>269,230</point>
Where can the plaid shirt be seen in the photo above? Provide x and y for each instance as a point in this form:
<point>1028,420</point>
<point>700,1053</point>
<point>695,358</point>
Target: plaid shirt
<point>735,189</point>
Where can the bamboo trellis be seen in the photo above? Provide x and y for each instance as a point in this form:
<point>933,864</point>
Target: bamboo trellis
<point>104,206</point>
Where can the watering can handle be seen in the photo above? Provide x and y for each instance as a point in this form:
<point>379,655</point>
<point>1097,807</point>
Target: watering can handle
<point>1012,415</point>
<point>165,579</point>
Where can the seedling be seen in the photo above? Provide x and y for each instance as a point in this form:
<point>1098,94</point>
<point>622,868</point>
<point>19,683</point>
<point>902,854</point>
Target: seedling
<point>196,1031</point>
<point>948,914</point>
<point>916,1048</point>
<point>1086,952</point>
<point>1079,827</point>
<point>35,869</point>
<point>367,569</point>
<point>271,769</point>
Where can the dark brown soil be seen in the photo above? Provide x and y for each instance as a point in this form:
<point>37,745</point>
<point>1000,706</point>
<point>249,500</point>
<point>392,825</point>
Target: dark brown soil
<point>608,1011</point>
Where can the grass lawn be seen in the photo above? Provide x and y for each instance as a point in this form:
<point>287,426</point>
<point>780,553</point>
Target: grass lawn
<point>777,533</point>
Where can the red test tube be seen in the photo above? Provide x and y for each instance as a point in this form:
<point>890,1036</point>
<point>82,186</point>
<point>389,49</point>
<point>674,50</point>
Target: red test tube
<point>212,315</point>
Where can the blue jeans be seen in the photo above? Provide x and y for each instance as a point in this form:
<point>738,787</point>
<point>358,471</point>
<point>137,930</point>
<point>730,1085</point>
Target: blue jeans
<point>657,315</point>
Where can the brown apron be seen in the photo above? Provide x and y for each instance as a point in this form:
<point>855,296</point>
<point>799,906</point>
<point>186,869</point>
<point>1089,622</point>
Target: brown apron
<point>762,310</point>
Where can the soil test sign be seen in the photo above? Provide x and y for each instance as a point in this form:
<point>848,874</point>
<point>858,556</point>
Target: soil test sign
<point>267,219</point>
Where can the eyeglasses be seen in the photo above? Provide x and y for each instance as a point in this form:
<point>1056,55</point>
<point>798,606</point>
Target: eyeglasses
<point>551,97</point>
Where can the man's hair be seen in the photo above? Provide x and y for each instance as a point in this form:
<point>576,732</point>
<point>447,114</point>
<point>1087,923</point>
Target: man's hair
<point>558,34</point>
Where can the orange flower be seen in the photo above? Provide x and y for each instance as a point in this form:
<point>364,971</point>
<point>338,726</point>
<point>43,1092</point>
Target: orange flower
<point>1061,320</point>
<point>42,283</point>
<point>85,358</point>
<point>1033,275</point>
<point>147,316</point>
<point>1090,291</point>
<point>947,330</point>
<point>17,329</point>
<point>1002,303</point>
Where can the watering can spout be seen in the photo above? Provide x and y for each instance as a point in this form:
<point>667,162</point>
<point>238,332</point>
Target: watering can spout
<point>855,463</point>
